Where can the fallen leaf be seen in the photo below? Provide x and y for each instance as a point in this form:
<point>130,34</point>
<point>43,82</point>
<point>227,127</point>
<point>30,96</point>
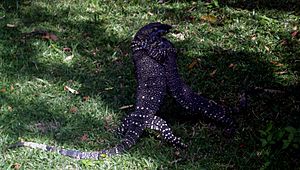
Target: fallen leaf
<point>276,63</point>
<point>3,90</point>
<point>67,49</point>
<point>126,107</point>
<point>42,34</point>
<point>281,72</point>
<point>84,137</point>
<point>86,98</point>
<point>294,33</point>
<point>150,13</point>
<point>284,42</point>
<point>16,166</point>
<point>68,58</point>
<point>11,25</point>
<point>108,88</point>
<point>267,48</point>
<point>50,36</point>
<point>212,74</point>
<point>67,88</point>
<point>9,108</point>
<point>295,28</point>
<point>193,64</point>
<point>209,18</point>
<point>253,37</point>
<point>12,88</point>
<point>73,109</point>
<point>233,66</point>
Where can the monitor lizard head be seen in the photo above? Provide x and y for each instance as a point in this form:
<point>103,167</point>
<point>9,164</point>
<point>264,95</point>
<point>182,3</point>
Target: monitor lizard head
<point>150,40</point>
<point>155,29</point>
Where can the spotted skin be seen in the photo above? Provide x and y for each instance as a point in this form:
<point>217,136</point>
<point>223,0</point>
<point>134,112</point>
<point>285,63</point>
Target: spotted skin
<point>163,51</point>
<point>150,93</point>
<point>194,102</point>
<point>151,79</point>
<point>155,123</point>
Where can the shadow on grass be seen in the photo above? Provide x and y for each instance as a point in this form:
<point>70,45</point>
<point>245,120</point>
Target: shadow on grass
<point>238,71</point>
<point>279,5</point>
<point>22,62</point>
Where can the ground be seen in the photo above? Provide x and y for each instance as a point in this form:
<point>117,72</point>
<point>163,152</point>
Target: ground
<point>71,80</point>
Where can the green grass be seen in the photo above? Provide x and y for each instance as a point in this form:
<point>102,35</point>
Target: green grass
<point>250,45</point>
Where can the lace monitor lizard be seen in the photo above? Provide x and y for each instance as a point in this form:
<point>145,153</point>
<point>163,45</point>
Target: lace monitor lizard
<point>165,53</point>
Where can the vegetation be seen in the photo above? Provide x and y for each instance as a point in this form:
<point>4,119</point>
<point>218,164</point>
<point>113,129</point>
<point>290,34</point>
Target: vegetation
<point>67,79</point>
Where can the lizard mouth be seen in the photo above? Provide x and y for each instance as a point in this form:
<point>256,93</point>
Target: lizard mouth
<point>163,32</point>
<point>165,29</point>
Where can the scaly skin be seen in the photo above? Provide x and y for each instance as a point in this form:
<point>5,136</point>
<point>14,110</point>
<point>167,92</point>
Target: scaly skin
<point>163,51</point>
